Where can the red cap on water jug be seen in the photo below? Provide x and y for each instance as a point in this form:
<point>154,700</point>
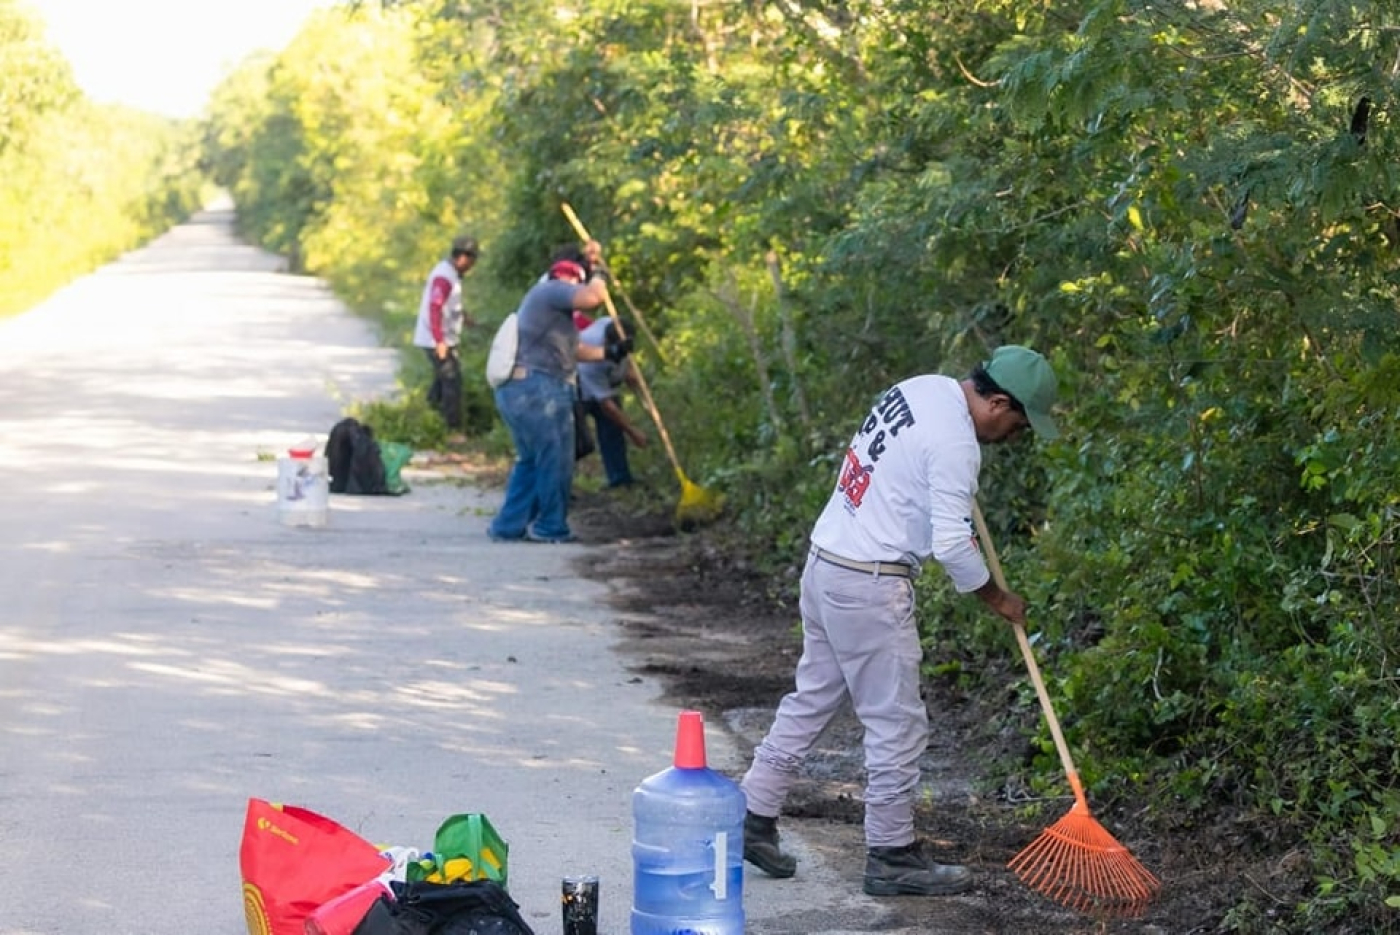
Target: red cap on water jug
<point>303,449</point>
<point>690,740</point>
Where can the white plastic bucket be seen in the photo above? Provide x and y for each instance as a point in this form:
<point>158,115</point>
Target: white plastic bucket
<point>303,491</point>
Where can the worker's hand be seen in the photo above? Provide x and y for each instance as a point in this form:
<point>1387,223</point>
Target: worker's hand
<point>617,351</point>
<point>442,350</point>
<point>637,438</point>
<point>1009,605</point>
<point>593,253</point>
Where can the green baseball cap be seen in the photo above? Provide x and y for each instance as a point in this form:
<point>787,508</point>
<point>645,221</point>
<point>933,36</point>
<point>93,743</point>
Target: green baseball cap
<point>1027,376</point>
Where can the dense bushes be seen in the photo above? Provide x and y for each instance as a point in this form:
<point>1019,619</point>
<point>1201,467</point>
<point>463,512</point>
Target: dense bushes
<point>1186,207</point>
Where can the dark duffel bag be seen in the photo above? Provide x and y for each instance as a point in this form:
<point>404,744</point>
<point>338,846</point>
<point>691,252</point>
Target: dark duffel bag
<point>476,907</point>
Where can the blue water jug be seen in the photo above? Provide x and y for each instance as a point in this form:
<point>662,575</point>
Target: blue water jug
<point>688,845</point>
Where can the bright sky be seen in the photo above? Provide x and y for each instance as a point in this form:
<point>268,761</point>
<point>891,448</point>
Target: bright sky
<point>165,56</point>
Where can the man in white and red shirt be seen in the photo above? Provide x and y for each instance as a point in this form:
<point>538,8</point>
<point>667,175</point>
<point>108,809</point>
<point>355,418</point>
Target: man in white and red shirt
<point>439,327</point>
<point>904,495</point>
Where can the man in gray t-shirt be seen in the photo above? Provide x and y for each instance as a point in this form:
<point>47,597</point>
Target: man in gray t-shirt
<point>537,404</point>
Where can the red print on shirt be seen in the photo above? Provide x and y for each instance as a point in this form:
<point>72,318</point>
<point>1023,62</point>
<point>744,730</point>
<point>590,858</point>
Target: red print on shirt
<point>855,478</point>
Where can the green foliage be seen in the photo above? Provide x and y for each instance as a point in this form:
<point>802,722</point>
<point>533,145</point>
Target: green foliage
<point>79,183</point>
<point>408,420</point>
<point>37,79</point>
<point>808,201</point>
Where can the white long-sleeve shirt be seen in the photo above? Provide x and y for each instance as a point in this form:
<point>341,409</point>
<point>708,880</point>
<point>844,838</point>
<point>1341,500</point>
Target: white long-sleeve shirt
<point>904,492</point>
<point>440,308</point>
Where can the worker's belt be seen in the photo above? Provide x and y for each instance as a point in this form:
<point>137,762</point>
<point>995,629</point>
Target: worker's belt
<point>520,373</point>
<point>877,569</point>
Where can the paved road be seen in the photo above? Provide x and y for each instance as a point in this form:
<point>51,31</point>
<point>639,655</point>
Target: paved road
<point>168,648</point>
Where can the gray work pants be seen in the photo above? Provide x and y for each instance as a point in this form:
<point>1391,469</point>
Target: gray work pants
<point>859,640</point>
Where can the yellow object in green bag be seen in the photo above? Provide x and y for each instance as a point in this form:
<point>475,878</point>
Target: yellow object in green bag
<point>458,868</point>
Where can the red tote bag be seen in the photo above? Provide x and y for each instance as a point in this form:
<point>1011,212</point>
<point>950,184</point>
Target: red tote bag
<point>293,860</point>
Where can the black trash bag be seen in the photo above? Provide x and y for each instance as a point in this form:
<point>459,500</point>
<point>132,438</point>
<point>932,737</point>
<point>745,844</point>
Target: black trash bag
<point>339,445</point>
<point>476,907</point>
<point>354,460</point>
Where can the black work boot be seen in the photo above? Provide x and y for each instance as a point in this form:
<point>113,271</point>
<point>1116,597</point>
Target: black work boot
<point>908,871</point>
<point>761,847</point>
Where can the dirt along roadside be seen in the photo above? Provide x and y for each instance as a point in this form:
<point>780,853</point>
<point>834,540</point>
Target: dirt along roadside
<point>725,639</point>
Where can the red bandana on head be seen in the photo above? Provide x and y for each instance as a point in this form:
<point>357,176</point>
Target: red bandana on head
<point>566,268</point>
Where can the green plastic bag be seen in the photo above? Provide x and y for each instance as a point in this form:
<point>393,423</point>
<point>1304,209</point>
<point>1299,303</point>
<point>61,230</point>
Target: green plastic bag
<point>468,848</point>
<point>394,455</point>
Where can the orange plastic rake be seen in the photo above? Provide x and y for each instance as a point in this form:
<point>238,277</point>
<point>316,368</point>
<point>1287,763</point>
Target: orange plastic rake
<point>1075,861</point>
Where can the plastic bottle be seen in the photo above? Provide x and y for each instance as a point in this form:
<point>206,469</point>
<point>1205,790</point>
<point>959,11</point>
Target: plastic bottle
<point>688,845</point>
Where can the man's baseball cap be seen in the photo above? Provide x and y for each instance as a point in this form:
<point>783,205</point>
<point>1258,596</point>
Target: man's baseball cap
<point>467,245</point>
<point>1027,376</point>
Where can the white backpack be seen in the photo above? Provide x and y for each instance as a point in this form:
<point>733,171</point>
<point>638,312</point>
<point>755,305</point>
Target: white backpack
<point>500,360</point>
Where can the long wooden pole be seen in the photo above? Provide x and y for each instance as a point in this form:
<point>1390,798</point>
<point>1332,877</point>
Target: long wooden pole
<point>583,235</point>
<point>1063,748</point>
<point>641,379</point>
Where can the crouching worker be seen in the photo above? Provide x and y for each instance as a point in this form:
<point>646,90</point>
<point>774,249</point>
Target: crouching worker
<point>600,386</point>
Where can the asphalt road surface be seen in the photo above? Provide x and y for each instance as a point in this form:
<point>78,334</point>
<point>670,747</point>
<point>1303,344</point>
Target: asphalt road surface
<point>170,648</point>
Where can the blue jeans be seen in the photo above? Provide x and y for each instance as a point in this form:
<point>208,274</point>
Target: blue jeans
<point>612,446</point>
<point>539,411</point>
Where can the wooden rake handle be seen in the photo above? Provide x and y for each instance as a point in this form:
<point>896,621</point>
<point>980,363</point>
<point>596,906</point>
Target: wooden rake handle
<point>994,563</point>
<point>641,379</point>
<point>583,235</point>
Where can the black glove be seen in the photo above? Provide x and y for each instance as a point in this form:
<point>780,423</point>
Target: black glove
<point>617,351</point>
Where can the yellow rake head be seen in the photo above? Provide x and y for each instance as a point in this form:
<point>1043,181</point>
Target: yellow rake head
<point>697,505</point>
